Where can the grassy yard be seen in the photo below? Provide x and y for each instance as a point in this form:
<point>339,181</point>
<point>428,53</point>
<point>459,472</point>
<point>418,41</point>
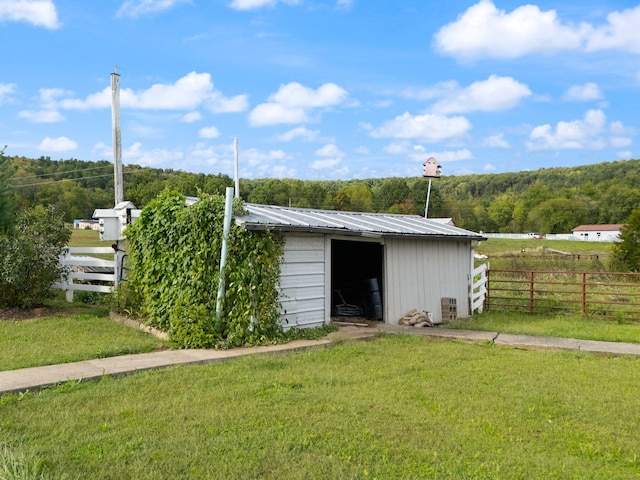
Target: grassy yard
<point>393,408</point>
<point>69,337</point>
<point>87,238</point>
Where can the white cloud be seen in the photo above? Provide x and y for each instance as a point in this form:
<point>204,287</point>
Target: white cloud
<point>452,156</point>
<point>620,33</point>
<point>40,13</point>
<point>619,142</point>
<point>155,158</point>
<point>255,4</point>
<point>6,89</point>
<point>293,102</point>
<point>136,8</point>
<point>489,168</point>
<point>191,117</point>
<point>397,148</point>
<point>60,144</point>
<point>329,150</point>
<point>586,133</point>
<point>583,93</point>
<point>187,93</point>
<point>298,132</point>
<point>428,127</point>
<point>496,141</point>
<point>325,163</point>
<point>362,150</point>
<point>484,31</point>
<point>626,155</point>
<point>209,132</point>
<point>491,95</point>
<point>42,116</point>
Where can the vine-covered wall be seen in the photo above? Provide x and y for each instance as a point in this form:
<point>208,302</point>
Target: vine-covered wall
<point>174,266</point>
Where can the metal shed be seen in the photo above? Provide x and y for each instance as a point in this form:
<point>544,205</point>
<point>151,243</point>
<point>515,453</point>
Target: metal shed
<point>332,258</point>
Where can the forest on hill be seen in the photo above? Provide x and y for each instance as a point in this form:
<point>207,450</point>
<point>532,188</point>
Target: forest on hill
<point>550,200</point>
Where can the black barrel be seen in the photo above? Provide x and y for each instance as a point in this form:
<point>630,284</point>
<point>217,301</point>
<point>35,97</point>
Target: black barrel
<point>373,300</point>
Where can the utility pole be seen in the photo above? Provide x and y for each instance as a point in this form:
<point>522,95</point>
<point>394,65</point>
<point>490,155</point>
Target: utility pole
<point>117,144</point>
<point>235,168</point>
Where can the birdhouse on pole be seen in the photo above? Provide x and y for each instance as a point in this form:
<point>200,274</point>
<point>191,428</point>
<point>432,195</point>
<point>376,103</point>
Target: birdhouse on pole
<point>431,168</point>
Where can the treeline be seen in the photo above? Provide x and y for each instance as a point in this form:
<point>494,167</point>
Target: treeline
<point>551,200</point>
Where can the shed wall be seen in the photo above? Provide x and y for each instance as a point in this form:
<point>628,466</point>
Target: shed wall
<point>302,281</point>
<point>419,273</point>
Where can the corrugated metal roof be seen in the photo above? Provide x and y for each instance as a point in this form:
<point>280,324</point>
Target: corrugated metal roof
<point>261,217</point>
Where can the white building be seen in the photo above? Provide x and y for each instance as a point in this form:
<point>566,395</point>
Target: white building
<point>598,233</point>
<point>334,258</point>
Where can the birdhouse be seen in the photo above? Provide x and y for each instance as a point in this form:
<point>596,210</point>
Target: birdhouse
<point>431,168</point>
<point>113,221</point>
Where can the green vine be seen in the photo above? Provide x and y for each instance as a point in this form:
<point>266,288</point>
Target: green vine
<point>174,260</point>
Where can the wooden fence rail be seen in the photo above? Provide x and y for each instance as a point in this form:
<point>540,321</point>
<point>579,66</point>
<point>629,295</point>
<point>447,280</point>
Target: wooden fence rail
<point>603,294</point>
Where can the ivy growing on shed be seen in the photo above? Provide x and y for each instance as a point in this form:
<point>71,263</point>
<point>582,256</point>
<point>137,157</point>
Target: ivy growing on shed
<point>174,266</point>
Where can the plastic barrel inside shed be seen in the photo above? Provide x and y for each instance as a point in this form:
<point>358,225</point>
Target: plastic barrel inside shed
<point>373,299</point>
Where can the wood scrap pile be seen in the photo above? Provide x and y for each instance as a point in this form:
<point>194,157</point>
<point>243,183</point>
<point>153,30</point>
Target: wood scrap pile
<point>415,318</point>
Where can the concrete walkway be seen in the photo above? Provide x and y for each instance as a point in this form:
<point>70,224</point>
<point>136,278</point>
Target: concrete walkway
<point>30,379</point>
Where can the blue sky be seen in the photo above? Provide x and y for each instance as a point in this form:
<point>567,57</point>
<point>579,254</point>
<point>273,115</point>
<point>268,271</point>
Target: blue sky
<point>323,89</point>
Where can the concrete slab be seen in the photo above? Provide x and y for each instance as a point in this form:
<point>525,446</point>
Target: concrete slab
<point>612,348</point>
<point>35,378</point>
<point>527,341</point>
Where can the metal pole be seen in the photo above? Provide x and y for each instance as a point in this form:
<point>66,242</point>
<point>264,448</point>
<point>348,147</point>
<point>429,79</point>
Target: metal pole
<point>426,208</point>
<point>223,254</point>
<point>117,145</point>
<point>235,169</point>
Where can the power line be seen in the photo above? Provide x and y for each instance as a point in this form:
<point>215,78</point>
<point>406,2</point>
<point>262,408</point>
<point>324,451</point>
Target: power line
<point>58,181</point>
<point>61,173</point>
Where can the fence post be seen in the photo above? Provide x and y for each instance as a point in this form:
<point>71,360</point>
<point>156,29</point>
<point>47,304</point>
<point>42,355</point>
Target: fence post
<point>584,293</point>
<point>531,291</point>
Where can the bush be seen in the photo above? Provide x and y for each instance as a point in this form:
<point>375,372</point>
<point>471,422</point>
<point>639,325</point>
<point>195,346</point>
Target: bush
<point>174,254</point>
<point>30,257</point>
<point>626,253</point>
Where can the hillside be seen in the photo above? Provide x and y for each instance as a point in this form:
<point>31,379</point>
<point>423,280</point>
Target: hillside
<point>547,200</point>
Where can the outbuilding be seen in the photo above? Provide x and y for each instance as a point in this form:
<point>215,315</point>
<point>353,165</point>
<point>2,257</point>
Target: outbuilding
<point>598,233</point>
<point>373,265</point>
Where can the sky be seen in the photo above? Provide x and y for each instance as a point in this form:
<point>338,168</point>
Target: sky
<point>323,89</point>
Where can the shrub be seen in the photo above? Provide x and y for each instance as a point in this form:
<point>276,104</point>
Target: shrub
<point>174,258</point>
<point>30,257</point>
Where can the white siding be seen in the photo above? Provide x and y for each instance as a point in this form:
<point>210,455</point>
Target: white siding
<point>302,281</point>
<point>419,273</point>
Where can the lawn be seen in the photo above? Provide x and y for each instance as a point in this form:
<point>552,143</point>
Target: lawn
<point>68,338</point>
<point>391,408</point>
<point>87,238</point>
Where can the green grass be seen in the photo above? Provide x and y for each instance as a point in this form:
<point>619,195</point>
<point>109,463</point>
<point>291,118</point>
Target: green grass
<point>392,408</point>
<point>500,246</point>
<point>68,338</point>
<point>567,326</point>
<point>87,238</point>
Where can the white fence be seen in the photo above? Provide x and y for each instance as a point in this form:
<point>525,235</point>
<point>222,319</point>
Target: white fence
<point>85,269</point>
<point>479,287</point>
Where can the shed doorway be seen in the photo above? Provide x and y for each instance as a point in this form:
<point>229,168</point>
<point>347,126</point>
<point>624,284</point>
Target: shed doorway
<point>356,279</point>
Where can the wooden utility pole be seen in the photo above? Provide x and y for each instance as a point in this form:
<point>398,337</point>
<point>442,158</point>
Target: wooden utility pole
<point>117,144</point>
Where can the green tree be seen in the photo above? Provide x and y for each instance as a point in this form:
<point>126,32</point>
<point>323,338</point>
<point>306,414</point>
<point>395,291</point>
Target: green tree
<point>30,257</point>
<point>560,215</point>
<point>626,253</point>
<point>7,205</point>
<point>392,191</point>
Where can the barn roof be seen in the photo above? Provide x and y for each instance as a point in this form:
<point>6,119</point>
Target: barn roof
<point>288,219</point>
<point>599,228</point>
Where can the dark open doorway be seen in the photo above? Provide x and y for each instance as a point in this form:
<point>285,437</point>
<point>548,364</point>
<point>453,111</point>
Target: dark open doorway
<point>356,278</point>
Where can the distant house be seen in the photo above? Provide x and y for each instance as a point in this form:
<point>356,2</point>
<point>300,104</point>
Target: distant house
<point>598,233</point>
<point>86,224</point>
